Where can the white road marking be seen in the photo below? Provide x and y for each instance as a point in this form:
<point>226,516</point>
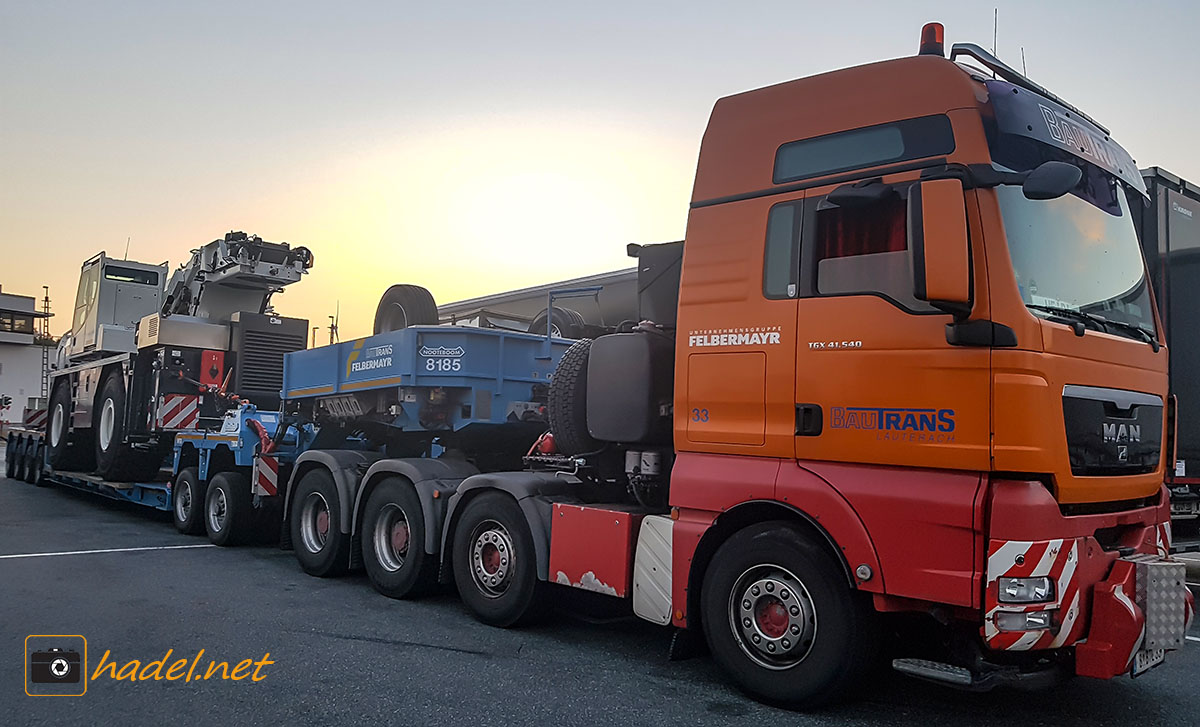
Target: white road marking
<point>1192,638</point>
<point>105,550</point>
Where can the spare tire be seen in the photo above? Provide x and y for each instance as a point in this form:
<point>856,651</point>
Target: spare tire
<point>567,404</point>
<point>405,305</point>
<point>564,323</point>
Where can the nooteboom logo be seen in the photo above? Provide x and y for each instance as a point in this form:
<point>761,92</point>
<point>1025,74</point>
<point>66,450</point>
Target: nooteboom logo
<point>442,351</point>
<point>896,424</point>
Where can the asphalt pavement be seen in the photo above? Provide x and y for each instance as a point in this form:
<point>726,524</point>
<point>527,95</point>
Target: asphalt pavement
<point>344,654</point>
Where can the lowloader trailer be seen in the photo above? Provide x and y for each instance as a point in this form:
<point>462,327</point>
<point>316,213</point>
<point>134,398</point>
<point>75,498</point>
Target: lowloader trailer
<point>909,383</point>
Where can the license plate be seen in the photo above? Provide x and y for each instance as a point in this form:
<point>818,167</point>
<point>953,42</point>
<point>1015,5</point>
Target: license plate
<point>1147,659</point>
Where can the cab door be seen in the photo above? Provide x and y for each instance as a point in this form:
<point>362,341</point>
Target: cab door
<point>876,380</point>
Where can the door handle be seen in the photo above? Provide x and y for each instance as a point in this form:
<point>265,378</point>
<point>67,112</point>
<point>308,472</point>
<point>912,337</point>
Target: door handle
<point>808,420</point>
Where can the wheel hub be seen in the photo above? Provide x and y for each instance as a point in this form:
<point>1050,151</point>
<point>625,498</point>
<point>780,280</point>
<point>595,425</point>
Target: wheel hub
<point>216,511</point>
<point>491,558</point>
<point>314,522</point>
<point>183,503</point>
<point>391,537</point>
<point>108,418</point>
<point>772,616</point>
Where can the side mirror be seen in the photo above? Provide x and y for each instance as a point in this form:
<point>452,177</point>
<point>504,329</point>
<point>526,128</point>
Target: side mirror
<point>937,239</point>
<point>1051,180</point>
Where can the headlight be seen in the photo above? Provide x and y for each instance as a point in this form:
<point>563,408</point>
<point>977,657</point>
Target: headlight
<point>1026,590</point>
<point>1023,621</point>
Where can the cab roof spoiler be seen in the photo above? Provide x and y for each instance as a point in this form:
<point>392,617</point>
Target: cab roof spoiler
<point>1011,75</point>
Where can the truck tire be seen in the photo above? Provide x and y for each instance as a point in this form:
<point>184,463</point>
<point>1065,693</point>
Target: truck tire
<point>19,460</point>
<point>393,541</point>
<point>564,323</point>
<point>495,568</point>
<point>405,305</point>
<point>227,508</point>
<point>187,502</point>
<point>567,403</point>
<point>34,456</point>
<point>69,450</point>
<point>781,620</point>
<point>319,543</point>
<point>116,460</point>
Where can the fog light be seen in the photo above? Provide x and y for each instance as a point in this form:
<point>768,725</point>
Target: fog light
<point>1023,621</point>
<point>1026,590</point>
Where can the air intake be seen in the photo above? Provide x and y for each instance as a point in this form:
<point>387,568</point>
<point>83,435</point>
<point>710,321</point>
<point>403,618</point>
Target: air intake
<point>259,343</point>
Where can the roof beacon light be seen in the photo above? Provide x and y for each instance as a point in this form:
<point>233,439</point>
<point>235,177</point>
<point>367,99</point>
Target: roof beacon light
<point>932,40</point>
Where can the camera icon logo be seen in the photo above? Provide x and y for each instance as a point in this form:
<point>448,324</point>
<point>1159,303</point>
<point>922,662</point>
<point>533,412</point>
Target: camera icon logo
<point>55,665</point>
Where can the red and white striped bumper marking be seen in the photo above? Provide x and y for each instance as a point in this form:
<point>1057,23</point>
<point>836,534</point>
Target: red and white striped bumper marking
<point>35,418</point>
<point>266,476</point>
<point>179,411</point>
<point>1056,559</point>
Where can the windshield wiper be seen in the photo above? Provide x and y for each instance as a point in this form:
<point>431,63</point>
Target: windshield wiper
<point>1146,335</point>
<point>1077,319</point>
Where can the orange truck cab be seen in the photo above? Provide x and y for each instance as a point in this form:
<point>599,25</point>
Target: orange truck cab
<point>912,381</point>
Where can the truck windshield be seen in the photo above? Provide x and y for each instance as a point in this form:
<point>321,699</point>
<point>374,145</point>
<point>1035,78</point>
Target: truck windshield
<point>1079,252</point>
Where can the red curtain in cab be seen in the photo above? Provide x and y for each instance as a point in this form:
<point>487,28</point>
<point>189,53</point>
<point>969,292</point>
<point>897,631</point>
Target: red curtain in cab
<point>846,232</point>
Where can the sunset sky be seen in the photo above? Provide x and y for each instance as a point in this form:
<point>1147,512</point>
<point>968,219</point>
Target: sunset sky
<point>468,147</point>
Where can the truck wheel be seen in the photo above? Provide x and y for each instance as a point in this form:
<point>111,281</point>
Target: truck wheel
<point>320,545</point>
<point>69,451</point>
<point>227,508</point>
<point>188,502</point>
<point>111,455</point>
<point>564,323</point>
<point>34,455</point>
<point>567,403</point>
<point>781,620</point>
<point>495,568</point>
<point>393,541</point>
<point>405,305</point>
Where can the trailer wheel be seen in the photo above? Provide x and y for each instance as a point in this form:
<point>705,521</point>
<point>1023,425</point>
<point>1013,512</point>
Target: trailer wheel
<point>187,507</point>
<point>567,403</point>
<point>781,620</point>
<point>227,508</point>
<point>18,468</point>
<point>319,543</point>
<point>393,541</point>
<point>34,455</point>
<point>405,305</point>
<point>495,568</point>
<point>10,457</point>
<point>564,323</point>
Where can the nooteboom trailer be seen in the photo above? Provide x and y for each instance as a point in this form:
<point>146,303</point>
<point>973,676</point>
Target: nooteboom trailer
<point>1169,227</point>
<point>910,381</point>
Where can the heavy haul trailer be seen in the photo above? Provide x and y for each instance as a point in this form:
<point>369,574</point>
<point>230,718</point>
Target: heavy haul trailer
<point>1169,228</point>
<point>147,359</point>
<point>912,383</point>
<point>400,419</point>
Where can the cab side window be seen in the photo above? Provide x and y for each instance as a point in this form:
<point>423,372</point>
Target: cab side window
<point>781,257</point>
<point>864,251</point>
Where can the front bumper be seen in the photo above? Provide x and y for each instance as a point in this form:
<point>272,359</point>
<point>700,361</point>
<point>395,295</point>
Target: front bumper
<point>1111,599</point>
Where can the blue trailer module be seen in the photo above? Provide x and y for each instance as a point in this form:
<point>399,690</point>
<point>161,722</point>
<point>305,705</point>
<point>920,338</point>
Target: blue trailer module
<point>400,419</point>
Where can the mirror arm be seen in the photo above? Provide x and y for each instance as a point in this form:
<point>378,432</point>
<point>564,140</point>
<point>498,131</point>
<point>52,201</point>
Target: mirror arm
<point>975,176</point>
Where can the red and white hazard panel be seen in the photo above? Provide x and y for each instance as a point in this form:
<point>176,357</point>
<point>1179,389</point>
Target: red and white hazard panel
<point>266,476</point>
<point>179,411</point>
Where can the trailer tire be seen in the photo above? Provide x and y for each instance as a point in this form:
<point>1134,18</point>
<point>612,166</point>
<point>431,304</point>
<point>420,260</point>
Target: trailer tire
<point>495,566</point>
<point>69,450</point>
<point>321,547</point>
<point>188,502</point>
<point>227,508</point>
<point>10,457</point>
<point>19,460</point>
<point>34,457</point>
<point>403,306</point>
<point>782,622</point>
<point>564,323</point>
<point>567,402</point>
<point>393,541</point>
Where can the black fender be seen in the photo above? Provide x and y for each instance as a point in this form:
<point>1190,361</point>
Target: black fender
<point>530,490</point>
<point>427,476</point>
<point>347,467</point>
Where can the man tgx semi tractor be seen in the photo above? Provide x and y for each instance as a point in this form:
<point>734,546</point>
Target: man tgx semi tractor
<point>1169,227</point>
<point>903,376</point>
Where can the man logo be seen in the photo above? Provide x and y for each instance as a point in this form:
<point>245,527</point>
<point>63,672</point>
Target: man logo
<point>1122,432</point>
